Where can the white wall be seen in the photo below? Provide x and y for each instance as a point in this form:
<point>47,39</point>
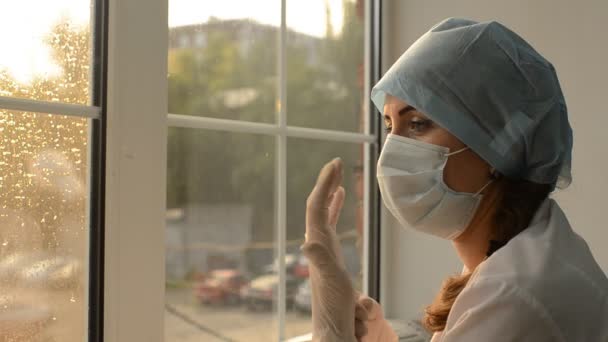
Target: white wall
<point>573,35</point>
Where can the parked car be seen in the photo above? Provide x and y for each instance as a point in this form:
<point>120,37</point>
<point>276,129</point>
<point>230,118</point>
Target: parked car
<point>221,287</point>
<point>57,272</point>
<point>300,269</point>
<point>290,261</point>
<point>302,300</point>
<point>11,264</point>
<point>39,269</point>
<point>295,264</point>
<point>263,291</point>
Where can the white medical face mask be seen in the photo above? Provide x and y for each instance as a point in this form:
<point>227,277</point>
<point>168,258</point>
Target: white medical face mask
<point>410,176</point>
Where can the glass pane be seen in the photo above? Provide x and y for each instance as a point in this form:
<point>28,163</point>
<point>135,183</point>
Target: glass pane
<point>50,50</point>
<point>302,174</point>
<point>221,280</point>
<point>223,58</point>
<point>325,64</point>
<point>43,227</point>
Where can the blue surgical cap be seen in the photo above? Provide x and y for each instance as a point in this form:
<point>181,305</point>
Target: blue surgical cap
<point>489,88</point>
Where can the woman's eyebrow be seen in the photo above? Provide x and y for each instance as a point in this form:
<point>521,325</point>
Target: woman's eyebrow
<point>403,111</point>
<point>406,110</point>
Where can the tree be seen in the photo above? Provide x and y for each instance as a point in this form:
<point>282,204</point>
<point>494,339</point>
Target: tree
<point>239,168</point>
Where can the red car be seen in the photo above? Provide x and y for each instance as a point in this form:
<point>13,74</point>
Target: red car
<point>221,287</point>
<point>300,269</point>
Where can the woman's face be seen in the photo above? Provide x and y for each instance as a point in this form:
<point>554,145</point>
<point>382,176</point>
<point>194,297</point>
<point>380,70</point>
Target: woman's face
<point>464,172</point>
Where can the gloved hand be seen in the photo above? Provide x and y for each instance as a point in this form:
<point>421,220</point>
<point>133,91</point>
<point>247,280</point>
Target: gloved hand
<point>333,295</point>
<point>370,325</point>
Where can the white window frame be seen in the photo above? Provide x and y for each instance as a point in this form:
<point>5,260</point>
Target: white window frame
<point>136,162</point>
<point>136,114</point>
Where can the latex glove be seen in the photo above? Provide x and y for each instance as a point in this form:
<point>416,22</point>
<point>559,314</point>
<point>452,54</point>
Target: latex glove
<point>333,295</point>
<point>370,325</point>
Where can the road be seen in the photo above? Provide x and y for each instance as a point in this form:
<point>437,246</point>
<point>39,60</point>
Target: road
<point>188,321</point>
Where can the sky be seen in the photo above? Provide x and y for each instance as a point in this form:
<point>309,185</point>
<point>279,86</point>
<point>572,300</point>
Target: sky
<point>28,56</point>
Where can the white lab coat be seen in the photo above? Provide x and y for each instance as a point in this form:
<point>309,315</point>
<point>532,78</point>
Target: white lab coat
<point>544,285</point>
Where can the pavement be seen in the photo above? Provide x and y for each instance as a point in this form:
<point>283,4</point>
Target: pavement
<point>188,321</point>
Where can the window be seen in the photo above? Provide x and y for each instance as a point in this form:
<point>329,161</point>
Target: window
<point>50,135</point>
<point>94,246</point>
<point>253,115</point>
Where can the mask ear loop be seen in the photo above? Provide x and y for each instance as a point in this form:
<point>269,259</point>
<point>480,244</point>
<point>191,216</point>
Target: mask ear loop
<point>456,152</point>
<point>484,187</point>
<point>494,175</point>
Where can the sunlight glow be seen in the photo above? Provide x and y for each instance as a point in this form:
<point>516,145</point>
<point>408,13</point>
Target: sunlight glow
<point>306,16</point>
<point>25,24</point>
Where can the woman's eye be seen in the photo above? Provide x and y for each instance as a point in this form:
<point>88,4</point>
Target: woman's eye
<point>388,129</point>
<point>419,126</point>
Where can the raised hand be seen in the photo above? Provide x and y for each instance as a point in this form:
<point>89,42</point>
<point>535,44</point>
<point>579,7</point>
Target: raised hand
<point>333,295</point>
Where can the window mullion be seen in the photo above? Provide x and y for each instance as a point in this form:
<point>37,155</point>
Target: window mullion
<point>282,173</point>
<point>367,161</point>
<point>372,196</point>
<point>327,135</point>
<point>47,107</point>
<point>237,126</point>
<point>281,228</point>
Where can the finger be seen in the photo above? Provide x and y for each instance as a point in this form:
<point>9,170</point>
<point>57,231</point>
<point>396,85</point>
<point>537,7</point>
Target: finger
<point>361,312</point>
<point>371,307</point>
<point>336,180</point>
<point>360,328</point>
<point>317,205</point>
<point>328,181</point>
<point>335,208</point>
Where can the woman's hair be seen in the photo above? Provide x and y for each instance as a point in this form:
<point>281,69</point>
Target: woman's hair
<point>519,201</point>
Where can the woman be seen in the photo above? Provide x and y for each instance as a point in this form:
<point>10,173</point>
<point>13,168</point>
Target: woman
<point>478,139</point>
